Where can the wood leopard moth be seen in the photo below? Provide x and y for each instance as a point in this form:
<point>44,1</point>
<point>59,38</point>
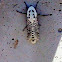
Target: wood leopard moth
<point>32,24</point>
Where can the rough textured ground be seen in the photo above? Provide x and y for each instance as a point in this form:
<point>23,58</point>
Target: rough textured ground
<point>14,46</point>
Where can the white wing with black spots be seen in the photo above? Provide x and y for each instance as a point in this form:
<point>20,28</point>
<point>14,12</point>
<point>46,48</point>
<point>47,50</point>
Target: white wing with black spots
<point>32,25</point>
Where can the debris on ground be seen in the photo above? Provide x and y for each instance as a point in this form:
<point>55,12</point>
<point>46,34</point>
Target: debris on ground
<point>15,44</point>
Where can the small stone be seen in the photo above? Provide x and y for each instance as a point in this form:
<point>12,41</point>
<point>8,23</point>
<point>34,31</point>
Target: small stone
<point>60,3</point>
<point>53,9</point>
<point>2,49</point>
<point>10,47</point>
<point>6,55</point>
<point>3,25</point>
<point>3,17</point>
<point>60,10</point>
<point>60,30</point>
<point>12,38</point>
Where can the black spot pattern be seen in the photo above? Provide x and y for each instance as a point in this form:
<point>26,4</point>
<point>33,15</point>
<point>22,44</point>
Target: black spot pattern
<point>35,32</point>
<point>29,11</point>
<point>32,10</point>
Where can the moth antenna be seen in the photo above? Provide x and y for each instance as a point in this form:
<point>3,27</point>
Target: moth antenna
<point>26,5</point>
<point>36,4</point>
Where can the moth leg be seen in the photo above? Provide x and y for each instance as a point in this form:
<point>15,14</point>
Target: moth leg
<point>39,24</point>
<point>20,12</point>
<point>45,14</point>
<point>25,27</point>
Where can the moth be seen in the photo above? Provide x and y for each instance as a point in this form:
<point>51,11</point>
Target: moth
<point>32,24</point>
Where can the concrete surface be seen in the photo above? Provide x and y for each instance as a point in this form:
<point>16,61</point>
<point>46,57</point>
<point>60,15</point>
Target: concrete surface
<point>47,49</point>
